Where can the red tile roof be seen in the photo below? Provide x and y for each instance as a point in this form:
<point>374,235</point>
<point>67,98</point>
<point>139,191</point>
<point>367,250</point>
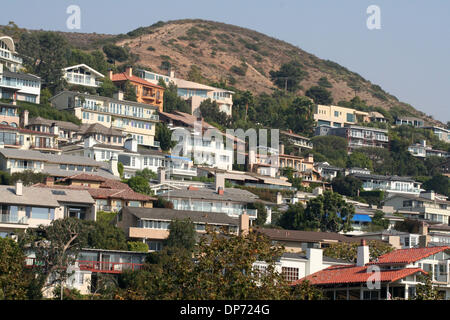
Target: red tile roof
<point>124,77</point>
<point>354,274</point>
<point>405,256</point>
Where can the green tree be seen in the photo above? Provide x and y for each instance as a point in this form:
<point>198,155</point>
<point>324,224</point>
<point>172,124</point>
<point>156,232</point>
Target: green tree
<point>28,177</point>
<point>107,88</point>
<point>360,160</point>
<point>139,184</point>
<point>164,136</point>
<point>378,223</point>
<point>438,183</point>
<point>146,174</point>
<point>222,268</point>
<point>328,212</point>
<point>299,115</point>
<point>408,225</point>
<point>14,280</point>
<point>137,246</point>
<point>323,82</point>
<point>293,217</point>
<point>103,234</point>
<point>56,247</point>
<point>262,213</point>
<point>305,291</point>
<point>332,148</point>
<point>120,169</point>
<point>347,185</point>
<point>320,95</point>
<point>182,234</point>
<point>210,112</point>
<point>173,102</point>
<point>44,54</point>
<point>195,75</point>
<point>289,76</point>
<point>425,290</point>
<point>349,250</point>
<point>115,53</point>
<point>129,91</point>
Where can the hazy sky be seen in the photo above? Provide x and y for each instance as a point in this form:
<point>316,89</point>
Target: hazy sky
<point>408,57</point>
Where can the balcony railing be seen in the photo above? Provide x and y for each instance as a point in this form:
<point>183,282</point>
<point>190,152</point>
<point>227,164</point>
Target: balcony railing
<point>107,267</point>
<point>95,266</point>
<point>229,211</point>
<point>9,218</point>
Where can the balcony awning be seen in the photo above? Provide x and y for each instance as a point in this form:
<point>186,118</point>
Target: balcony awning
<point>361,218</point>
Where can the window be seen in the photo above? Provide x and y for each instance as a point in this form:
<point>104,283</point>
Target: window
<point>40,213</point>
<point>154,245</point>
<point>289,274</point>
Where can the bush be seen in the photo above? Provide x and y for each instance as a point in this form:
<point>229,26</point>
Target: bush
<point>137,246</point>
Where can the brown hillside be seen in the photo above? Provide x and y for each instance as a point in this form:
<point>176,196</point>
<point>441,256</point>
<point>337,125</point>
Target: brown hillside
<point>215,47</point>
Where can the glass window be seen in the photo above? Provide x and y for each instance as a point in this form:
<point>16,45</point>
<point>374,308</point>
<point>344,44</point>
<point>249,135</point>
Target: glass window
<point>42,213</point>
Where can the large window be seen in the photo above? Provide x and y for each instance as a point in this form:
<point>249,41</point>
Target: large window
<point>40,213</point>
<point>152,224</point>
<point>8,138</point>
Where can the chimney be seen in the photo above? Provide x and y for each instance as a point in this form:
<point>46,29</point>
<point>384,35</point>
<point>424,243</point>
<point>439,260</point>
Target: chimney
<point>244,224</point>
<point>279,198</point>
<point>363,254</point>
<point>110,74</point>
<point>161,175</point>
<point>423,229</point>
<point>220,182</point>
<point>113,166</point>
<point>171,73</point>
<point>220,191</point>
<point>315,260</point>
<point>318,191</point>
<point>281,148</point>
<point>129,71</point>
<point>89,142</point>
<point>428,195</point>
<point>50,181</point>
<point>131,144</point>
<point>24,118</point>
<point>19,188</point>
<point>54,129</point>
<point>424,143</point>
<point>118,95</point>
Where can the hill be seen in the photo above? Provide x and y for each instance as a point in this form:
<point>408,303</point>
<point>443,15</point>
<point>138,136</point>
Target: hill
<point>218,48</point>
<point>241,57</point>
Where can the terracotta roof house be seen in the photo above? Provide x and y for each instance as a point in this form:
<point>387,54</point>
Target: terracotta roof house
<point>392,275</point>
<point>146,92</point>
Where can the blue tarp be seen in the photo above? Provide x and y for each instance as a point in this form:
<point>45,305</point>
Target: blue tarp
<point>361,218</point>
